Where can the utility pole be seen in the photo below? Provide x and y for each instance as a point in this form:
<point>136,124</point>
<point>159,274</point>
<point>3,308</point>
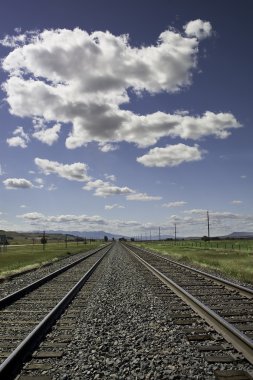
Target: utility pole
<point>159,233</point>
<point>150,235</point>
<point>175,230</point>
<point>208,225</point>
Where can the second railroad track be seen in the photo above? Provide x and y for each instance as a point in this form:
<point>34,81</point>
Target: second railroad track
<point>224,305</point>
<point>28,314</point>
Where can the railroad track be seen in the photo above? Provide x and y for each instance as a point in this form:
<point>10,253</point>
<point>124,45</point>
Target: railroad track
<point>224,305</point>
<point>27,315</point>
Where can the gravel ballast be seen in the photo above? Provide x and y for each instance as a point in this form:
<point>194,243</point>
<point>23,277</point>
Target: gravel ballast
<point>124,331</point>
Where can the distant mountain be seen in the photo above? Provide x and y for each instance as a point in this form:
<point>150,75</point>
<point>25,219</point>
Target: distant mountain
<point>101,234</point>
<point>237,235</point>
<point>87,234</point>
<point>23,237</point>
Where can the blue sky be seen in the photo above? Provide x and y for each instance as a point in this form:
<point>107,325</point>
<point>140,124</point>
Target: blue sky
<point>126,116</point>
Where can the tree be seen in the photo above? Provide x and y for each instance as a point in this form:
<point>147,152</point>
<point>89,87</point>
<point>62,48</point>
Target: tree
<point>105,238</point>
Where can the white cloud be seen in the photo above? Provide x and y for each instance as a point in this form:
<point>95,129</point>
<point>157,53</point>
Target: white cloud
<point>78,172</point>
<point>72,172</point>
<point>110,177</point>
<point>23,206</point>
<point>187,225</point>
<point>127,224</point>
<point>236,202</point>
<point>107,62</point>
<point>175,204</point>
<point>13,41</point>
<point>171,155</point>
<point>243,176</point>
<point>105,189</point>
<point>20,138</point>
<point>16,141</point>
<point>111,207</point>
<point>108,147</point>
<point>62,219</point>
<point>81,222</point>
<point>17,183</point>
<point>1,170</point>
<point>52,187</point>
<point>32,216</point>
<point>143,197</point>
<point>76,218</point>
<point>87,86</point>
<point>198,28</point>
<point>48,135</point>
<point>149,129</point>
<point>40,183</point>
<point>214,216</point>
<point>195,211</point>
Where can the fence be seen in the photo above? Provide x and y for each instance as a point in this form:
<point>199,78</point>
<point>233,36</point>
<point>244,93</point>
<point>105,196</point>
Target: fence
<point>238,245</point>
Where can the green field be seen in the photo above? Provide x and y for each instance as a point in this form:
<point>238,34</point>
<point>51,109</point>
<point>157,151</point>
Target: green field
<point>15,259</point>
<point>234,259</point>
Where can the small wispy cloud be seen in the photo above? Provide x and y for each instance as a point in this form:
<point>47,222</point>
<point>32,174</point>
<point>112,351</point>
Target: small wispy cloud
<point>143,197</point>
<point>175,204</point>
<point>111,207</point>
<point>108,147</point>
<point>52,187</point>
<point>19,139</point>
<point>48,135</point>
<point>39,182</point>
<point>110,177</point>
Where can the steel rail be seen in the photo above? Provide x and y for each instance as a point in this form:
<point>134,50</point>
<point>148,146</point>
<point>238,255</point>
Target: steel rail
<point>247,292</point>
<point>12,364</point>
<point>8,300</point>
<point>241,342</point>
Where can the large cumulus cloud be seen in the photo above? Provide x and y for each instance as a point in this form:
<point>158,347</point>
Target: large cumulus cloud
<point>70,76</point>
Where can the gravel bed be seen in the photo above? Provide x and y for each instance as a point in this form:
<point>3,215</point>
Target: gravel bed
<point>16,282</point>
<point>125,332</point>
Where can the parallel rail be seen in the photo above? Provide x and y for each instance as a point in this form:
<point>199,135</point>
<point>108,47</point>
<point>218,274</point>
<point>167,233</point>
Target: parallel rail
<point>8,300</point>
<point>247,292</point>
<point>13,363</point>
<point>239,340</point>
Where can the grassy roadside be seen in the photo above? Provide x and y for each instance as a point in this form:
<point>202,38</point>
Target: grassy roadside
<point>234,263</point>
<point>21,258</point>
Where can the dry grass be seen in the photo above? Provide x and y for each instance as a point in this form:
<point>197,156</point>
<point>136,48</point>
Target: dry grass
<point>234,263</point>
<point>21,258</point>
